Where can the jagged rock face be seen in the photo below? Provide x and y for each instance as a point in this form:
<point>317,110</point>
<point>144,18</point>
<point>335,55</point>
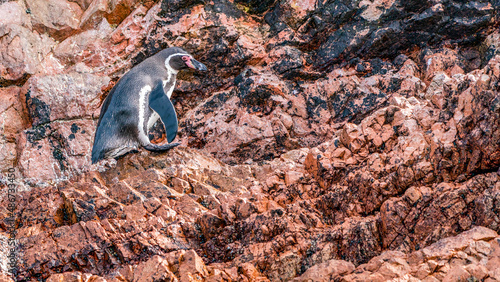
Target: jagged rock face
<point>330,140</point>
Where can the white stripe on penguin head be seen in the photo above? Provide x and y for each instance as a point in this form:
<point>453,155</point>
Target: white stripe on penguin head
<point>167,62</point>
<point>171,73</point>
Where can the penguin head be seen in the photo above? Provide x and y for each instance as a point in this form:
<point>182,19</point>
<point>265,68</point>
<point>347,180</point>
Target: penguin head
<point>178,59</point>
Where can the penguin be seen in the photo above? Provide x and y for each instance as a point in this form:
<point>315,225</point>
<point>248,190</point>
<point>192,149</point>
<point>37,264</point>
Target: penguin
<point>137,101</point>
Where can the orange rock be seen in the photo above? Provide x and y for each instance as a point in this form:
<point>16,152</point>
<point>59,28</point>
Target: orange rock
<point>60,17</point>
<point>156,268</point>
<point>192,267</point>
<point>326,271</point>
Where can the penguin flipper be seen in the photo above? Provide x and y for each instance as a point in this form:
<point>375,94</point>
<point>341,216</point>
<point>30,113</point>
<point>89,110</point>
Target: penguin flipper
<point>161,104</point>
<point>159,148</point>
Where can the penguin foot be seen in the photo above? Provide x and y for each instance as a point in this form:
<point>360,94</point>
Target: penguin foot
<point>159,148</point>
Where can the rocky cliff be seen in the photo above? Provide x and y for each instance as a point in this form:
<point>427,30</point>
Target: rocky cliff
<point>329,140</point>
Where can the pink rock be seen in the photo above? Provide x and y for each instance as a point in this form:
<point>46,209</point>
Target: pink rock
<point>326,271</point>
<point>445,61</point>
<point>352,137</point>
<point>81,47</point>
<point>113,11</point>
<point>58,17</point>
<point>8,155</point>
<point>5,278</point>
<point>74,277</point>
<point>192,267</point>
<point>22,51</point>
<point>70,239</point>
<point>456,273</point>
<point>293,177</point>
<point>12,122</point>
<point>132,30</point>
<point>478,271</point>
<point>56,151</point>
<point>14,13</point>
<point>374,10</point>
<point>251,273</point>
<point>39,248</point>
<point>155,269</point>
<point>37,161</point>
<point>64,96</point>
<point>83,3</point>
<point>247,125</point>
<point>295,12</point>
<point>166,213</point>
<point>135,211</point>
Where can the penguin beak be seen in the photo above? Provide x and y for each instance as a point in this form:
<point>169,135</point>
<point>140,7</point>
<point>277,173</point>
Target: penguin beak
<point>194,64</point>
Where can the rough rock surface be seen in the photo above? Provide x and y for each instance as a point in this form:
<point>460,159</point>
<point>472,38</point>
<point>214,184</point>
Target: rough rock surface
<point>330,140</point>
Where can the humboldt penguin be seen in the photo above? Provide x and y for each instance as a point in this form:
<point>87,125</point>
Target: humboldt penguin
<point>137,101</point>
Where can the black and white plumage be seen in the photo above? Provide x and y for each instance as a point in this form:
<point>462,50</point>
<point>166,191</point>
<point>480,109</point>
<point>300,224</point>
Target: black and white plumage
<point>137,101</point>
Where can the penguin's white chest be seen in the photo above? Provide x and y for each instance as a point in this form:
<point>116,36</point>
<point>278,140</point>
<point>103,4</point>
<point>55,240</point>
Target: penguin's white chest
<point>152,119</point>
<point>143,103</point>
<point>170,87</point>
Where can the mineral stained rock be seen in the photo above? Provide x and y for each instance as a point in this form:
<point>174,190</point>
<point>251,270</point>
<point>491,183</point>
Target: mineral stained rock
<point>330,141</point>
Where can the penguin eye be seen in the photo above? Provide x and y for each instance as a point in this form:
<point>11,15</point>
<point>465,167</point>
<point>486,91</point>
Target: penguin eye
<point>185,58</point>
